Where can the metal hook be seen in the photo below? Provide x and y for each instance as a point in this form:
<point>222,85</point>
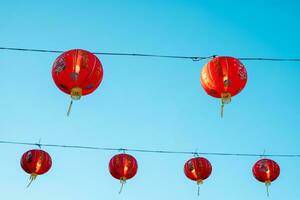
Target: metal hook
<point>39,144</point>
<point>196,154</point>
<point>195,59</point>
<point>263,154</point>
<point>122,149</point>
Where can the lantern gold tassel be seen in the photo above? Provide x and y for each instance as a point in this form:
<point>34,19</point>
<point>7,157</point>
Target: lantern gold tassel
<point>199,182</point>
<point>76,93</point>
<point>122,181</point>
<point>222,109</point>
<point>267,183</point>
<point>225,99</point>
<point>32,178</point>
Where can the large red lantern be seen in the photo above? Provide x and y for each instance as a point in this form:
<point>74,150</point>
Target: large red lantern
<point>266,171</point>
<point>223,77</point>
<point>198,169</point>
<point>77,73</point>
<point>36,162</point>
<point>123,167</point>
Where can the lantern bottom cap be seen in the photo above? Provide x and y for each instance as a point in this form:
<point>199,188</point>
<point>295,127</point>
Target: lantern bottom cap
<point>76,93</point>
<point>225,97</point>
<point>268,183</point>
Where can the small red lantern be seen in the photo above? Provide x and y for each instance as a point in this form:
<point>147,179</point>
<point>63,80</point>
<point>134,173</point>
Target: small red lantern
<point>266,171</point>
<point>77,72</point>
<point>223,77</point>
<point>36,162</point>
<point>123,167</point>
<point>197,169</point>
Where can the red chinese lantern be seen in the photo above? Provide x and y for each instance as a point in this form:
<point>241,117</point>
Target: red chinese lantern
<point>198,169</point>
<point>36,162</point>
<point>223,77</point>
<point>266,171</point>
<point>77,73</point>
<point>123,167</point>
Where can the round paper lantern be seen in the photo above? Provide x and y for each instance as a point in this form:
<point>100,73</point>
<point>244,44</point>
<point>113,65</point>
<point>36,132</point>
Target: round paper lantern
<point>36,162</point>
<point>77,73</point>
<point>123,167</point>
<point>223,77</point>
<point>197,169</point>
<point>266,171</point>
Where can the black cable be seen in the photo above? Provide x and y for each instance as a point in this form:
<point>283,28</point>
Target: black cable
<point>272,59</point>
<point>35,50</point>
<point>149,151</point>
<point>193,58</point>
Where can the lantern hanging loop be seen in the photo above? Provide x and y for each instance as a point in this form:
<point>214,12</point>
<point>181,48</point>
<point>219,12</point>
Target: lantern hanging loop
<point>263,155</point>
<point>122,150</point>
<point>196,154</point>
<point>39,145</point>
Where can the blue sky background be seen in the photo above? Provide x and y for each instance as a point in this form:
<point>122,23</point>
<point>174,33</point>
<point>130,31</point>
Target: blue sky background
<point>150,103</point>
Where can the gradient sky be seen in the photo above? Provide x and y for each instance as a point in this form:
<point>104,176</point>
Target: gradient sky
<point>150,103</point>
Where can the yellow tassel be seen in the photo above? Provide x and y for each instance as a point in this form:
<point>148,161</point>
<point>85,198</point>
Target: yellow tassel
<point>225,99</point>
<point>222,109</point>
<point>122,181</point>
<point>32,178</point>
<point>267,183</point>
<point>199,182</point>
<point>76,93</point>
<point>70,107</point>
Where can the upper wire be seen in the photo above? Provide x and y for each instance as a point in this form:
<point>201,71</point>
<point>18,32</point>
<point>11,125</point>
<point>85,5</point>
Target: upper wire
<point>147,150</point>
<point>193,58</point>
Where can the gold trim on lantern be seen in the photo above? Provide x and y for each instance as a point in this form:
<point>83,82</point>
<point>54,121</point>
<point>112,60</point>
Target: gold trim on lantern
<point>123,179</point>
<point>199,182</point>
<point>76,93</point>
<point>225,99</point>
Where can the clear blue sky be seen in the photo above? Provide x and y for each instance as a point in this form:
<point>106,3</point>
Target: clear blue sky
<point>150,103</point>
